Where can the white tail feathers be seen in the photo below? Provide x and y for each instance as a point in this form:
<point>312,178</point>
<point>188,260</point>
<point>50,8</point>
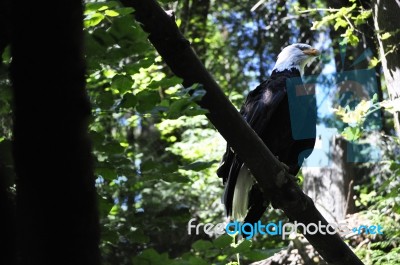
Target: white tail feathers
<point>240,202</point>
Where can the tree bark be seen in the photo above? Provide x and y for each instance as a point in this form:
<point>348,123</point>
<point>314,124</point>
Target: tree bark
<point>331,188</point>
<point>286,194</point>
<point>7,208</point>
<point>385,13</point>
<point>57,219</point>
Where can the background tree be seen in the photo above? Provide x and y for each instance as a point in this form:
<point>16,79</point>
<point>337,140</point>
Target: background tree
<point>56,209</point>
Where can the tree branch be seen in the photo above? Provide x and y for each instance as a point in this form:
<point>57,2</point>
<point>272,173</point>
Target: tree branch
<point>268,171</point>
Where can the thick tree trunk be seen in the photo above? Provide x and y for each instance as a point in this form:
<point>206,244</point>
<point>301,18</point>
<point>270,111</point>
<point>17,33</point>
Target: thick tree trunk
<point>7,209</point>
<point>331,188</point>
<point>5,27</point>
<point>385,14</point>
<point>57,220</point>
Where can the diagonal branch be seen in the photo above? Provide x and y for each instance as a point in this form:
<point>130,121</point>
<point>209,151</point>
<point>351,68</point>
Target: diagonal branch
<point>268,171</point>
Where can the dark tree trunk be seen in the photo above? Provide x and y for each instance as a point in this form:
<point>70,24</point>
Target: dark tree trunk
<point>7,209</point>
<point>57,219</point>
<point>5,27</point>
<point>7,206</point>
<point>385,14</point>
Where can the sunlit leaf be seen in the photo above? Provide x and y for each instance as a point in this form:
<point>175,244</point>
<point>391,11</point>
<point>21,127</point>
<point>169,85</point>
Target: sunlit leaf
<point>114,210</point>
<point>362,17</point>
<point>111,13</point>
<point>340,22</point>
<point>374,62</point>
<point>93,19</point>
<point>385,36</point>
<point>99,6</point>
<point>351,133</point>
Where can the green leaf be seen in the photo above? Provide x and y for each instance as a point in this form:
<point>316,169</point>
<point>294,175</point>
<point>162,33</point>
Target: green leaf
<point>128,101</point>
<point>223,241</point>
<point>202,245</point>
<point>385,36</point>
<point>340,23</point>
<point>94,51</point>
<point>175,177</point>
<point>125,10</point>
<point>122,83</point>
<point>351,133</point>
<point>199,165</point>
<point>374,62</point>
<point>350,37</point>
<point>90,7</point>
<point>197,261</point>
<point>394,166</point>
<point>93,19</point>
<point>242,246</point>
<point>114,210</point>
<point>151,257</point>
<point>196,111</point>
<point>166,82</point>
<point>138,237</point>
<point>148,165</point>
<point>6,56</point>
<point>362,17</point>
<point>177,107</point>
<point>134,68</point>
<point>256,255</point>
<point>104,206</point>
<point>147,100</point>
<point>111,13</point>
<point>375,98</point>
<point>354,40</point>
<point>114,148</point>
<point>126,28</point>
<point>106,172</point>
<point>105,100</point>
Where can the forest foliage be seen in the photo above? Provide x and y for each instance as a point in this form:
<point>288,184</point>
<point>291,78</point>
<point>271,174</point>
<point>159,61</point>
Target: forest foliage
<point>156,153</point>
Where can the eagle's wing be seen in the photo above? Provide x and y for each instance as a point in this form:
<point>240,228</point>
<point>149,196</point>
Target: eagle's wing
<point>257,110</point>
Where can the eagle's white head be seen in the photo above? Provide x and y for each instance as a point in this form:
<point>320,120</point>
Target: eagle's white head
<point>296,56</point>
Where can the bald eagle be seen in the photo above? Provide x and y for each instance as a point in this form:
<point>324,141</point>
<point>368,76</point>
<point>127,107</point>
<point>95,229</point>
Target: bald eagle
<point>267,111</point>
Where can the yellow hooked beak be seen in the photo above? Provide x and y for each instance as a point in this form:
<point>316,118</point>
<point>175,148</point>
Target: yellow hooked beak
<point>312,52</point>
